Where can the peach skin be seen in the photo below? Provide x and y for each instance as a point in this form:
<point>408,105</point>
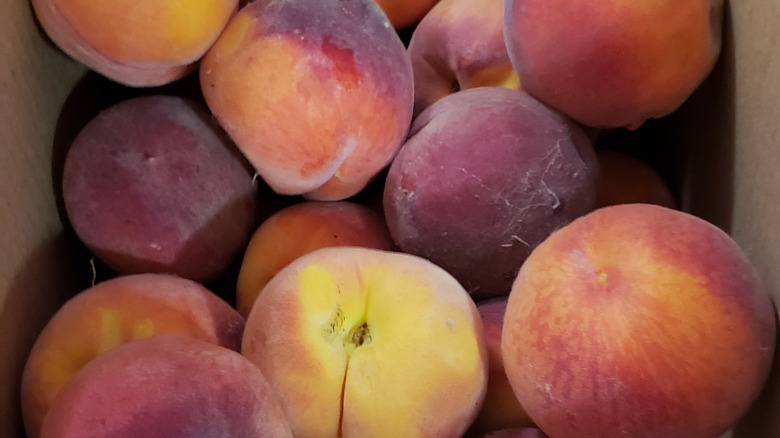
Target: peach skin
<point>638,320</point>
<point>362,342</point>
<point>153,184</point>
<point>170,386</point>
<point>299,229</point>
<point>140,43</point>
<point>613,63</point>
<point>459,45</point>
<point>501,409</point>
<point>485,176</point>
<point>112,313</point>
<point>317,94</point>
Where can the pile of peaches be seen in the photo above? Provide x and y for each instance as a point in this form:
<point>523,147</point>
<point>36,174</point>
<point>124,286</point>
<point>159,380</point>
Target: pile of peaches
<point>429,239</point>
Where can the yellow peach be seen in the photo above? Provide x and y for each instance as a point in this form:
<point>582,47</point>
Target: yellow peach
<point>136,42</point>
<point>362,342</point>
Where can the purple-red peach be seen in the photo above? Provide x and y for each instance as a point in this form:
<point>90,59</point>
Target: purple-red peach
<point>485,175</point>
<point>170,386</point>
<point>152,184</point>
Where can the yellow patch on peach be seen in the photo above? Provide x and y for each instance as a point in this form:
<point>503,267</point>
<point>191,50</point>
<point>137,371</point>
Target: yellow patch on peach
<point>496,76</point>
<point>232,37</point>
<point>339,310</point>
<point>149,31</point>
<point>462,357</point>
<point>301,228</point>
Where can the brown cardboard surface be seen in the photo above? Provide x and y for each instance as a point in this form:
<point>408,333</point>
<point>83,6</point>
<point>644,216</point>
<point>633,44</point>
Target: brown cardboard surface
<point>34,81</point>
<point>756,162</point>
<point>725,140</point>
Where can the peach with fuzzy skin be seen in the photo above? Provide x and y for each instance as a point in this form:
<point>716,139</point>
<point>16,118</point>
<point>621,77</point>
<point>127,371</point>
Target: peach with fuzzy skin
<point>638,320</point>
<point>299,229</point>
<point>459,45</point>
<point>110,314</point>
<point>171,386</point>
<point>613,63</point>
<point>152,184</point>
<point>362,342</point>
<point>139,43</point>
<point>406,13</point>
<point>485,175</point>
<point>317,94</point>
<point>501,409</point>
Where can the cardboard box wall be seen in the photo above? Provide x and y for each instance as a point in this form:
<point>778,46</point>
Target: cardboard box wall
<point>723,148</point>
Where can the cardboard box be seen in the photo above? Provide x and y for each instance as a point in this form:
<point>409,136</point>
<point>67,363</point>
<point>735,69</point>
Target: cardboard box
<point>723,148</point>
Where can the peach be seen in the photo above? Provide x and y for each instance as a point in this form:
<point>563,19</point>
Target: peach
<point>362,342</point>
<point>112,313</point>
<point>613,63</point>
<point>171,386</point>
<point>459,45</point>
<point>139,43</point>
<point>638,320</point>
<point>404,14</point>
<point>501,409</point>
<point>626,179</point>
<point>484,177</point>
<point>152,184</point>
<point>299,229</point>
<point>317,94</point>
